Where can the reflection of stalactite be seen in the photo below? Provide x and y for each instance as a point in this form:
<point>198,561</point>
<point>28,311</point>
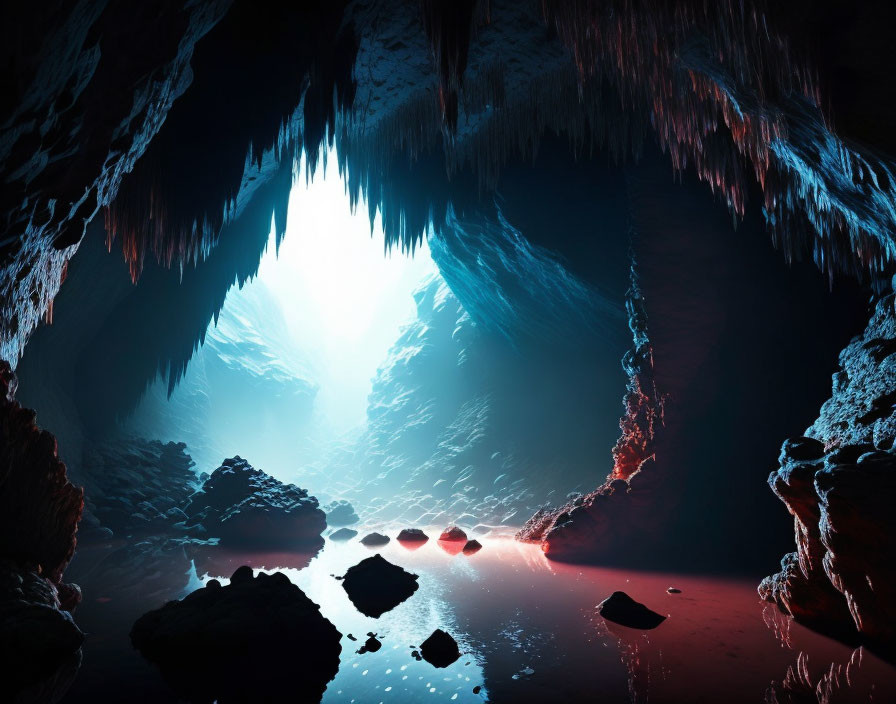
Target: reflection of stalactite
<point>643,404</point>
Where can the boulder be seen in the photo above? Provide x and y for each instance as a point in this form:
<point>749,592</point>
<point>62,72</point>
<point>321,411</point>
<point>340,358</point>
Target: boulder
<point>376,586</point>
<point>342,534</point>
<point>412,535</point>
<point>259,634</point>
<point>472,547</point>
<point>453,534</point>
<point>440,649</point>
<point>620,608</point>
<point>374,540</point>
<point>245,507</point>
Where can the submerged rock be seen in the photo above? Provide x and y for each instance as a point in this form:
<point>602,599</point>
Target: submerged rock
<point>256,637</point>
<point>472,547</point>
<point>342,534</point>
<point>245,507</point>
<point>374,540</point>
<point>440,649</point>
<point>412,535</point>
<point>620,608</point>
<point>453,534</point>
<point>341,513</point>
<point>376,586</point>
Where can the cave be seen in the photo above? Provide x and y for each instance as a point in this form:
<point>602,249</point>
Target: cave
<point>475,350</point>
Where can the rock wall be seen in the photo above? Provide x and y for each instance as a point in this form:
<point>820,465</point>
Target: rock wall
<point>838,483</point>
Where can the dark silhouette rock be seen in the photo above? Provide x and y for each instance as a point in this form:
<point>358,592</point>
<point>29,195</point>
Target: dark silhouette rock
<point>39,507</point>
<point>342,534</point>
<point>412,535</point>
<point>673,590</point>
<point>340,513</point>
<point>374,540</point>
<point>371,645</point>
<point>376,586</point>
<point>245,507</point>
<point>472,547</point>
<point>38,639</point>
<point>453,534</point>
<point>256,637</point>
<point>440,649</point>
<point>620,608</point>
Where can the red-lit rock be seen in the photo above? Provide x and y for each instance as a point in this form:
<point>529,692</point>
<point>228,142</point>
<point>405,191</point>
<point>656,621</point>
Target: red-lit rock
<point>453,534</point>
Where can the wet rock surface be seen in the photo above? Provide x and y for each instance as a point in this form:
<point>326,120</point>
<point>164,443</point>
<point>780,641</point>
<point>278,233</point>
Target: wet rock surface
<point>472,547</point>
<point>838,482</point>
<point>412,535</point>
<point>453,534</point>
<point>243,506</point>
<point>258,637</point>
<point>440,649</point>
<point>376,586</point>
<point>620,608</point>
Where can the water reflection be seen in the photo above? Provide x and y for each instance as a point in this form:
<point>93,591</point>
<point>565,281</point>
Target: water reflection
<point>528,630</point>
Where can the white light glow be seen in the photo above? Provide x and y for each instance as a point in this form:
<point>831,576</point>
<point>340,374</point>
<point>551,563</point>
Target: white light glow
<point>344,297</point>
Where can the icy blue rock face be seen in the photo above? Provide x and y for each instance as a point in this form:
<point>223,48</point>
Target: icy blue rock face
<point>248,383</point>
<point>464,428</point>
<point>514,288</point>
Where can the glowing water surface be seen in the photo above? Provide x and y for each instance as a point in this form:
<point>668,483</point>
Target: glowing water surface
<point>528,629</point>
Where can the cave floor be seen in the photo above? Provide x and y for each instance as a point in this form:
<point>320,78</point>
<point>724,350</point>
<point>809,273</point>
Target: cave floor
<point>528,630</point>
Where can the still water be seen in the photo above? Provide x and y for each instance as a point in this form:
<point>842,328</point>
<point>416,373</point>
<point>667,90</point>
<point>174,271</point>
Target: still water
<point>527,628</point>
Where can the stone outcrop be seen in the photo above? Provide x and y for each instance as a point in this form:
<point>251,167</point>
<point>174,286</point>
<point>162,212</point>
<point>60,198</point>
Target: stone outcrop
<point>257,636</point>
<point>39,507</point>
<point>39,641</point>
<point>607,518</point>
<point>838,483</point>
<point>620,608</point>
<point>376,586</point>
<point>440,649</point>
<point>245,507</point>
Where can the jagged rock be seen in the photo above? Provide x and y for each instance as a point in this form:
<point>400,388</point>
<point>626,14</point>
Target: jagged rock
<point>376,586</point>
<point>838,484</point>
<point>412,535</point>
<point>243,507</point>
<point>453,534</point>
<point>373,540</point>
<point>620,608</point>
<point>39,508</point>
<point>257,636</point>
<point>340,513</point>
<point>472,547</point>
<point>440,649</point>
<point>39,641</point>
<point>342,534</point>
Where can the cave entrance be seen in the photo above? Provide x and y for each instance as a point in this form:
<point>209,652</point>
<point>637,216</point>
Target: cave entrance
<point>285,372</point>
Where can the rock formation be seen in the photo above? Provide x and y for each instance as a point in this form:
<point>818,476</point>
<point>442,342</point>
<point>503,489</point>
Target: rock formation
<point>620,608</point>
<point>376,586</point>
<point>243,507</point>
<point>440,649</point>
<point>838,482</point>
<point>256,637</point>
<point>602,521</point>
